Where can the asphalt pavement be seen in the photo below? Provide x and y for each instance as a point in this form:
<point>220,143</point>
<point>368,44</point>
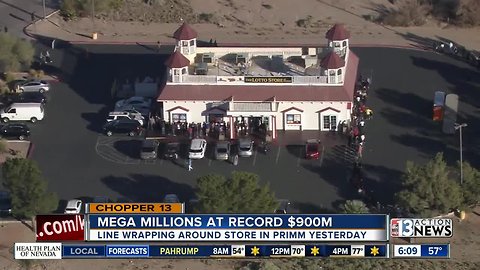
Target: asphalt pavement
<point>79,161</point>
<point>17,14</point>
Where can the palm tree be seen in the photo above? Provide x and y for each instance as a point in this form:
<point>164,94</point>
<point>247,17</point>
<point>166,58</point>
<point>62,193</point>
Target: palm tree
<point>354,207</point>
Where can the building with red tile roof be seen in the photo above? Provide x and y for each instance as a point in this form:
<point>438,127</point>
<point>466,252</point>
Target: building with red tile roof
<point>288,88</point>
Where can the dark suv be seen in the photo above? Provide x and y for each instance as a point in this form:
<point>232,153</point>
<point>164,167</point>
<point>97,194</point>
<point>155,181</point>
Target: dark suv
<point>15,131</point>
<point>123,126</point>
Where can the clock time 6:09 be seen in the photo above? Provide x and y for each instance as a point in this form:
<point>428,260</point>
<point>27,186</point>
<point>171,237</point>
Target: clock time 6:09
<point>407,250</point>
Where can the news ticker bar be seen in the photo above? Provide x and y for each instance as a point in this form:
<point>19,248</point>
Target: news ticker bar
<point>135,208</point>
<point>62,251</point>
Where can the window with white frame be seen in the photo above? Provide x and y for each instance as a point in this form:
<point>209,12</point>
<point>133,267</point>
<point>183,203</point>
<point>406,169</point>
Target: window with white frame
<point>329,122</point>
<point>294,119</point>
<point>179,117</point>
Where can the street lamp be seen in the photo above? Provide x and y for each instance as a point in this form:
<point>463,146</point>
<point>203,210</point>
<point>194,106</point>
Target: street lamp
<point>460,127</point>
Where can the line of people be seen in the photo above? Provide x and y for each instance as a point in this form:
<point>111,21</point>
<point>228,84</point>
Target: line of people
<point>356,140</point>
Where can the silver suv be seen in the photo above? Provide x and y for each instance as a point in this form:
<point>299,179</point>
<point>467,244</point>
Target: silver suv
<point>34,86</point>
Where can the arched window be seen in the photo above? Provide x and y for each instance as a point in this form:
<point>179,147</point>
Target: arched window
<point>332,72</point>
<point>184,70</point>
<point>339,71</point>
<point>344,43</point>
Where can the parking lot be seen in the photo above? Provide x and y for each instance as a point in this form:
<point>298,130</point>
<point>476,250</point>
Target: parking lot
<point>79,161</point>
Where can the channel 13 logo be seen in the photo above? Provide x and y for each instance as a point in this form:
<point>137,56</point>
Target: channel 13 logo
<point>422,227</point>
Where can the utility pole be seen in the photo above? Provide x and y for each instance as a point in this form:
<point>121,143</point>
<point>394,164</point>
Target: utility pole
<point>460,128</point>
<point>93,12</point>
<point>44,10</point>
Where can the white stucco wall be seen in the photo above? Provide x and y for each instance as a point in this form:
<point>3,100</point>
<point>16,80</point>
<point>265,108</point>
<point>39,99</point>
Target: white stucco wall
<point>312,117</point>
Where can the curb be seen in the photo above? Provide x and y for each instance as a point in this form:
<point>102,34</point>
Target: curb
<point>31,147</point>
<point>353,45</point>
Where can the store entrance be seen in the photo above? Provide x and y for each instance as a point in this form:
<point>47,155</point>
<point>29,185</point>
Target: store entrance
<point>256,126</point>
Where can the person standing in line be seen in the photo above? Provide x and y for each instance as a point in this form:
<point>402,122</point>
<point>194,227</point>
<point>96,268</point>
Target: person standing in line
<point>53,44</point>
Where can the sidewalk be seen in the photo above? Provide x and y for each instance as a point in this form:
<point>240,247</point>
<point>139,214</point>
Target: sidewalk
<point>363,33</point>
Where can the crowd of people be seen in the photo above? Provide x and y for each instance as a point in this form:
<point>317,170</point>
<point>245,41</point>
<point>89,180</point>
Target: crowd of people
<point>189,130</point>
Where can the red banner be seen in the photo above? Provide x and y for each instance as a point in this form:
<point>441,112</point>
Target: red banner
<point>60,228</point>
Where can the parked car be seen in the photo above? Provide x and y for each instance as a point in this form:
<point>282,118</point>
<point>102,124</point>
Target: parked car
<point>312,149</point>
<point>171,198</point>
<point>142,102</point>
<point>5,203</point>
<point>474,58</point>
<point>26,97</point>
<point>135,109</point>
<point>15,131</point>
<point>125,115</point>
<point>197,149</point>
<point>222,150</point>
<point>172,150</point>
<point>34,86</point>
<point>149,149</point>
<point>130,127</point>
<point>133,112</point>
<point>283,207</point>
<point>101,199</point>
<point>245,147</point>
<point>23,112</point>
<point>73,207</point>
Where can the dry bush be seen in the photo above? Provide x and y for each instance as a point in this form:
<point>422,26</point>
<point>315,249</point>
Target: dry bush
<point>407,13</point>
<point>468,13</point>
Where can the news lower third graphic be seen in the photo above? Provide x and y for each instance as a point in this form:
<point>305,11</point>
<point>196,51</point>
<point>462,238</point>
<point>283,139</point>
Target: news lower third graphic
<point>198,228</point>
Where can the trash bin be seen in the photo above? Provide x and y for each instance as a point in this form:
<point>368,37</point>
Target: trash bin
<point>94,35</point>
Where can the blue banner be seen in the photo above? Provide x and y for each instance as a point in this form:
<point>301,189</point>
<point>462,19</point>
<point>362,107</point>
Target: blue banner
<point>185,221</point>
<point>128,251</point>
<point>435,251</point>
<point>87,251</point>
<point>225,251</point>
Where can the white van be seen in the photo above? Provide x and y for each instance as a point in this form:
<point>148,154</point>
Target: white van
<point>23,112</point>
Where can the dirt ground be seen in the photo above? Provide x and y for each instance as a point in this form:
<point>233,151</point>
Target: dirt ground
<point>263,22</point>
<point>465,247</point>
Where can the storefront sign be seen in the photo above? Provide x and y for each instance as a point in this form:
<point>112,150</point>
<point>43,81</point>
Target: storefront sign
<point>265,79</point>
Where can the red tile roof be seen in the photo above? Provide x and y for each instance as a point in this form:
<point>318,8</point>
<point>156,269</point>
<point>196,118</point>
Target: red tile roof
<point>337,32</point>
<point>177,60</point>
<point>332,61</point>
<point>282,92</point>
<point>185,32</point>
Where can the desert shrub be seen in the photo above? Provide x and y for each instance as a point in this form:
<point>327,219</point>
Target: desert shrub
<point>408,13</point>
<point>267,6</point>
<point>15,54</point>
<point>205,17</point>
<point>304,22</point>
<point>3,146</point>
<point>468,13</point>
<point>70,9</point>
<point>35,74</point>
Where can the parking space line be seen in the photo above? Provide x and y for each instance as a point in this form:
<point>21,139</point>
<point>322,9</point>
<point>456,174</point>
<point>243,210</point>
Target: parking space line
<point>278,154</point>
<point>255,158</point>
<point>209,162</point>
<point>322,156</point>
